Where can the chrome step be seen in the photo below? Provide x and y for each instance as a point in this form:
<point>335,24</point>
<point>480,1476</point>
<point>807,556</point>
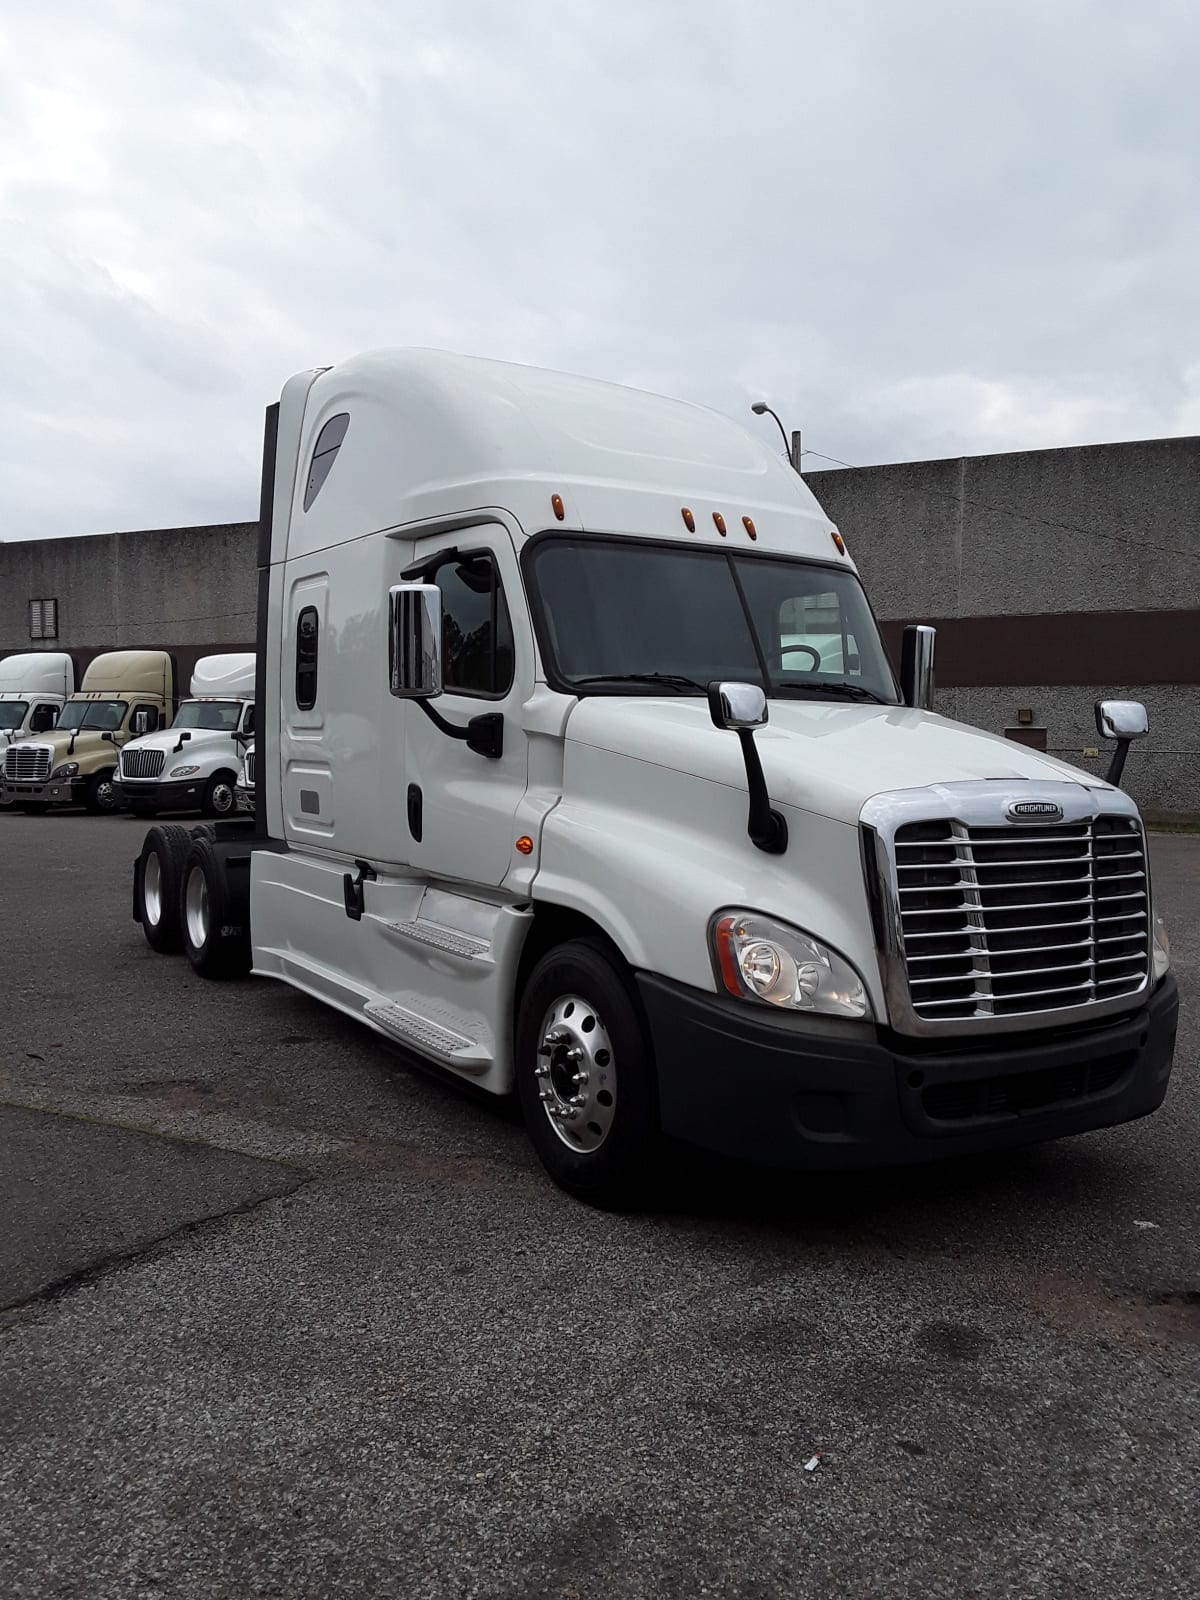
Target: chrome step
<point>447,940</point>
<point>430,1038</point>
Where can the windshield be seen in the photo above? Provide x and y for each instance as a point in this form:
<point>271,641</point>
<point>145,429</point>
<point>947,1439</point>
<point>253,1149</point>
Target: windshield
<point>92,714</point>
<point>685,617</point>
<point>12,713</point>
<point>219,715</point>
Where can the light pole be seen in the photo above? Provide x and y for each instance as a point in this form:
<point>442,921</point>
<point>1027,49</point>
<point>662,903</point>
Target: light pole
<point>760,408</point>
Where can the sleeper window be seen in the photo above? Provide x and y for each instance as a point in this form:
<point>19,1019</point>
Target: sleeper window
<point>306,658</point>
<point>477,639</point>
<point>329,442</point>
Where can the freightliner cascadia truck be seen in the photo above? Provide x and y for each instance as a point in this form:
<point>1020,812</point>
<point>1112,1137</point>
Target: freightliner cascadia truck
<point>581,773</point>
<point>123,693</point>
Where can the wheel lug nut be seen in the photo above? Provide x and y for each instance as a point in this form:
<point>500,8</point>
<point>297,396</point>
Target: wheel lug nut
<point>541,1070</point>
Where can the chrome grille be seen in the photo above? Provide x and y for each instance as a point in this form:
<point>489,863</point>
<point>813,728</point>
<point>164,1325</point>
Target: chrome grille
<point>27,763</point>
<point>142,763</point>
<point>249,769</point>
<point>1004,921</point>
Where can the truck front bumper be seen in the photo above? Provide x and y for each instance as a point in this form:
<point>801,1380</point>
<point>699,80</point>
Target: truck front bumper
<point>792,1091</point>
<point>55,792</point>
<point>184,794</point>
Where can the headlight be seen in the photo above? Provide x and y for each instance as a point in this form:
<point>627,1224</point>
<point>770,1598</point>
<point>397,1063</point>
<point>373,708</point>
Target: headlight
<point>184,772</point>
<point>1162,949</point>
<point>67,770</point>
<point>759,959</point>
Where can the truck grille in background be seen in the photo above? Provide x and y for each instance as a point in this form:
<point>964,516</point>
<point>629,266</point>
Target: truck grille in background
<point>997,921</point>
<point>250,769</point>
<point>142,763</point>
<point>25,763</point>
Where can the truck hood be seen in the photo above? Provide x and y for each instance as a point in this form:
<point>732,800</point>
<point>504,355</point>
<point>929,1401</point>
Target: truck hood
<point>59,743</point>
<point>167,738</point>
<point>824,758</point>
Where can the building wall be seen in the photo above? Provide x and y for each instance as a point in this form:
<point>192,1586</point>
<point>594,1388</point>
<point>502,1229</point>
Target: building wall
<point>188,590</point>
<point>1055,578</point>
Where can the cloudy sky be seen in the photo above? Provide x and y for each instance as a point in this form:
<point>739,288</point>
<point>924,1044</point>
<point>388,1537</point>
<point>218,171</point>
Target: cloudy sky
<point>919,227</point>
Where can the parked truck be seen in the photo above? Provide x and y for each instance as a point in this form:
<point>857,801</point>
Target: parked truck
<point>560,786</point>
<point>34,687</point>
<point>123,693</point>
<point>245,782</point>
<point>193,765</point>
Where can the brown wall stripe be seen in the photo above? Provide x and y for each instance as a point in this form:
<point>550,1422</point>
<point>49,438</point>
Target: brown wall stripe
<point>1062,648</point>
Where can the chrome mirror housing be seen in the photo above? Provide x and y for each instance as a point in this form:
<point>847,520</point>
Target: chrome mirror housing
<point>1121,719</point>
<point>737,706</point>
<point>415,641</point>
<point>916,666</point>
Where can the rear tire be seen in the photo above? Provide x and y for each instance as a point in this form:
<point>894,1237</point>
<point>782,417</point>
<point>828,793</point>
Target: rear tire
<point>215,938</point>
<point>100,796</point>
<point>159,873</point>
<point>585,1076</point>
<point>220,795</point>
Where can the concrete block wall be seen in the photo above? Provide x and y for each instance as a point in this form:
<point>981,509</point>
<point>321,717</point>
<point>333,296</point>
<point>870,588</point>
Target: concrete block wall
<point>1111,529</point>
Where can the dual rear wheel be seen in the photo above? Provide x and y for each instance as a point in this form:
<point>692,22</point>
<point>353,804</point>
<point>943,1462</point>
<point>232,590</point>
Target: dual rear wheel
<point>183,903</point>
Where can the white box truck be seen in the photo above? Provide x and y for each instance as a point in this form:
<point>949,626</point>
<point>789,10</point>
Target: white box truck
<point>193,765</point>
<point>560,786</point>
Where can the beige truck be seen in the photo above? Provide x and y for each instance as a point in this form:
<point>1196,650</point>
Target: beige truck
<point>124,693</point>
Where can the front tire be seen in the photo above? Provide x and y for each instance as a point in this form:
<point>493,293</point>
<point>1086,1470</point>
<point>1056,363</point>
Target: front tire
<point>216,940</point>
<point>585,1076</point>
<point>100,797</point>
<point>159,874</point>
<point>220,795</point>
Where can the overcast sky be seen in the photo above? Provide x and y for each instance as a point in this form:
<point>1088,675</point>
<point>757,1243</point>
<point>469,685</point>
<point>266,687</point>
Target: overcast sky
<point>919,227</point>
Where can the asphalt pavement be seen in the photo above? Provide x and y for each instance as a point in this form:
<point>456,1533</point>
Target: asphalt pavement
<point>284,1317</point>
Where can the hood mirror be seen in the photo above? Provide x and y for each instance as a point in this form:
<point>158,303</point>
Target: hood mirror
<point>1124,721</point>
<point>740,708</point>
<point>737,706</point>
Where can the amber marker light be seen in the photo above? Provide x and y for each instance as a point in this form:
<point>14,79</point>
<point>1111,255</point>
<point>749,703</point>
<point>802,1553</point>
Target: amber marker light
<point>748,524</point>
<point>839,542</point>
<point>557,505</point>
<point>689,520</point>
<point>719,522</point>
<point>525,845</point>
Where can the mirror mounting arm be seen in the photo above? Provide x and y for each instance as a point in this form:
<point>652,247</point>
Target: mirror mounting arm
<point>484,735</point>
<point>767,827</point>
<point>1116,767</point>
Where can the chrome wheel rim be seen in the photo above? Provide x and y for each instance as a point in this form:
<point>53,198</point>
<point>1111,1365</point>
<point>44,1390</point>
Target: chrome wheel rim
<point>576,1074</point>
<point>195,908</point>
<point>222,798</point>
<point>106,795</point>
<point>152,889</point>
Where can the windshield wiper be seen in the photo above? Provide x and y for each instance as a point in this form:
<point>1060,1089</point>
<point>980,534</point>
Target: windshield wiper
<point>667,680</point>
<point>846,691</point>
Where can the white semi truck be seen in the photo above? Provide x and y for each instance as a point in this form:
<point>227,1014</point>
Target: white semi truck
<point>560,786</point>
<point>34,687</point>
<point>193,765</point>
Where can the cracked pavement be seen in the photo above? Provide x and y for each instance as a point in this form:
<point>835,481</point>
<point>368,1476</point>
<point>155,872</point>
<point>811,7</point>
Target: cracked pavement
<point>286,1317</point>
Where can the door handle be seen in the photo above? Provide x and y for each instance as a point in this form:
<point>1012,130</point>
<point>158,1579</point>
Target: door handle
<point>416,809</point>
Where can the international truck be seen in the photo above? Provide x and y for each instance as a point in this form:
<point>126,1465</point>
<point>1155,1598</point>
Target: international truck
<point>244,794</point>
<point>123,693</point>
<point>193,765</point>
<point>560,787</point>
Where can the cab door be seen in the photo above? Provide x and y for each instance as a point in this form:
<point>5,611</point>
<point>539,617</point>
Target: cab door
<point>460,805</point>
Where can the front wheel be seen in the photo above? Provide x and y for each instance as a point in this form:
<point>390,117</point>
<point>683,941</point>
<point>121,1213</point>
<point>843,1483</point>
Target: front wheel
<point>220,797</point>
<point>100,796</point>
<point>585,1076</point>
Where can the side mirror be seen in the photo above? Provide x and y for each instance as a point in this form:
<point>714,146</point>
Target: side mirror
<point>415,641</point>
<point>740,708</point>
<point>735,706</point>
<point>1121,719</point>
<point>141,723</point>
<point>916,666</point>
<point>1124,721</point>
